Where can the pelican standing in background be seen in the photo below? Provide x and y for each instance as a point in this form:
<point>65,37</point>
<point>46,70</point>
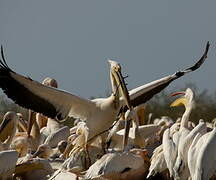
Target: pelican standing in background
<point>99,114</point>
<point>22,125</point>
<point>206,159</point>
<point>186,135</point>
<point>8,125</point>
<point>169,151</point>
<point>47,124</point>
<point>181,168</point>
<point>193,150</point>
<point>8,129</point>
<point>135,133</point>
<point>51,130</point>
<point>30,139</point>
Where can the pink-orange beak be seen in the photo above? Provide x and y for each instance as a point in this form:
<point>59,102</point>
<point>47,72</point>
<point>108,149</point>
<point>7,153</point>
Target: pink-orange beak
<point>180,101</point>
<point>177,93</point>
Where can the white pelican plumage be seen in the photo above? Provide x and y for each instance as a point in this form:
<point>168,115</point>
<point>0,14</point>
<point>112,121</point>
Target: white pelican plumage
<point>43,121</point>
<point>65,176</point>
<point>193,152</point>
<point>77,145</point>
<point>99,114</point>
<point>8,128</point>
<point>51,126</point>
<point>80,142</point>
<point>180,168</point>
<point>201,129</point>
<point>119,166</point>
<point>8,125</point>
<point>34,169</point>
<point>54,138</point>
<point>194,147</point>
<point>164,155</point>
<point>169,151</point>
<point>22,141</point>
<point>8,161</point>
<point>144,131</point>
<point>186,135</point>
<point>205,163</point>
<point>22,125</point>
<point>158,163</point>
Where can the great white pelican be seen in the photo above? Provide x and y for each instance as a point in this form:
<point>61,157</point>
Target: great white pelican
<point>100,113</point>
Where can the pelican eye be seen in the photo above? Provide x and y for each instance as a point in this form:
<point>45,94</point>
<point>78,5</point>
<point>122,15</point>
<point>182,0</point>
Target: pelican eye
<point>59,116</point>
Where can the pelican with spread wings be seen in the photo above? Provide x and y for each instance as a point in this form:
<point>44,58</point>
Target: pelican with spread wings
<point>99,114</point>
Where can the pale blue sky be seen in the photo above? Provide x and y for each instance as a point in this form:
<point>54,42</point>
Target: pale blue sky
<point>71,40</point>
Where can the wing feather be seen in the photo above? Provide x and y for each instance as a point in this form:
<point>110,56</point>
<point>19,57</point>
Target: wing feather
<point>145,92</point>
<point>49,101</point>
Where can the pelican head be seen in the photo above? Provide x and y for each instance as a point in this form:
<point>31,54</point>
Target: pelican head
<point>43,151</point>
<point>22,124</point>
<point>114,65</point>
<point>186,99</point>
<point>20,116</point>
<point>117,81</point>
<point>10,115</point>
<point>50,82</point>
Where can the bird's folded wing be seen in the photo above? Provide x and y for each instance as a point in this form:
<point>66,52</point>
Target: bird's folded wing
<point>49,101</point>
<point>145,92</point>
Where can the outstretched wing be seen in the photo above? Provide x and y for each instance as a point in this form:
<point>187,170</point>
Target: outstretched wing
<point>145,92</point>
<point>33,95</point>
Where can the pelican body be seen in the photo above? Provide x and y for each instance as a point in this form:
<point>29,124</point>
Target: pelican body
<point>205,164</point>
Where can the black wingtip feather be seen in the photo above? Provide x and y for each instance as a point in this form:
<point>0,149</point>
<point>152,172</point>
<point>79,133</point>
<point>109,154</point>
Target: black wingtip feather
<point>148,95</point>
<point>3,63</point>
<point>201,60</point>
<point>20,94</point>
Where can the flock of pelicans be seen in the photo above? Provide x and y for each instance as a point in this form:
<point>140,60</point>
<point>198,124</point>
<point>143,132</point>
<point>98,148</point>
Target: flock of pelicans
<point>109,139</point>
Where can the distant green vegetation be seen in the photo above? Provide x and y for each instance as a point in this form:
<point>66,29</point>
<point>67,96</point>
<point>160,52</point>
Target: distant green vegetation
<point>205,105</point>
<point>159,106</point>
